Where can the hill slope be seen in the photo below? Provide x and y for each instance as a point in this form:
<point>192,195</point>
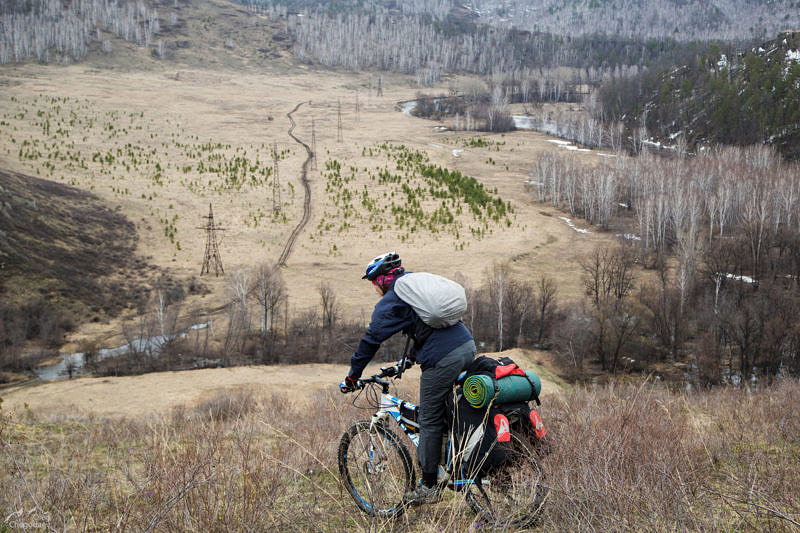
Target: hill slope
<point>65,246</point>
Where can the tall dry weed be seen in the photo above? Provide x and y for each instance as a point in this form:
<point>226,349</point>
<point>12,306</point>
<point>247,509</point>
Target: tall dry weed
<point>623,458</point>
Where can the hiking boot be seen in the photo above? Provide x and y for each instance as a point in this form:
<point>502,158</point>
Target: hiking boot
<point>423,495</point>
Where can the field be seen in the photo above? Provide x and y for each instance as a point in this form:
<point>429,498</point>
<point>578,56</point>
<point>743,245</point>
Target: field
<point>161,145</point>
<point>623,458</point>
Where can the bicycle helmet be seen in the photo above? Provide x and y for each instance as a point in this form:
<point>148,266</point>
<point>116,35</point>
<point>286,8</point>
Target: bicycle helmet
<point>381,265</point>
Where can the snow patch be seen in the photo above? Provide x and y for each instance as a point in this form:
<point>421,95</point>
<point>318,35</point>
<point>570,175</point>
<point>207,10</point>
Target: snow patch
<point>573,226</point>
<point>457,153</point>
<point>746,279</point>
<point>629,236</point>
<point>793,55</point>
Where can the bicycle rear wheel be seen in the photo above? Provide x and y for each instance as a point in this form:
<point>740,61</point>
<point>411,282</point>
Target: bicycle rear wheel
<point>512,495</point>
<point>376,468</point>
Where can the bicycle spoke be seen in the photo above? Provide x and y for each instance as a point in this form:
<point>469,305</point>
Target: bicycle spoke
<point>377,469</point>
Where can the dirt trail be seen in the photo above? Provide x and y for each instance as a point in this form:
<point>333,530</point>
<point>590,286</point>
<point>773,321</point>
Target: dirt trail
<point>158,393</point>
<point>307,200</point>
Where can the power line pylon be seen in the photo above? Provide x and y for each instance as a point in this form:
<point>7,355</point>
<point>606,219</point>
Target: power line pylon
<point>380,85</point>
<point>276,186</point>
<point>339,125</point>
<point>212,258</point>
<point>313,146</point>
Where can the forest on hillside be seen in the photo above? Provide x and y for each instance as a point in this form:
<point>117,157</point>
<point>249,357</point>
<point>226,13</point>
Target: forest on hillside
<point>717,96</point>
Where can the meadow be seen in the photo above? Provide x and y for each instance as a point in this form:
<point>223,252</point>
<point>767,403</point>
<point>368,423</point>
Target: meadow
<point>161,145</point>
<point>623,458</point>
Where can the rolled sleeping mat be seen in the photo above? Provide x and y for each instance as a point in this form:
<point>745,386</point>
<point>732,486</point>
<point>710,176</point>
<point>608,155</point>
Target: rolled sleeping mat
<point>479,390</point>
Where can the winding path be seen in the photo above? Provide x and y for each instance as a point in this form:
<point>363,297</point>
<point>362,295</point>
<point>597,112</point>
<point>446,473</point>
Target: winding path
<point>287,249</point>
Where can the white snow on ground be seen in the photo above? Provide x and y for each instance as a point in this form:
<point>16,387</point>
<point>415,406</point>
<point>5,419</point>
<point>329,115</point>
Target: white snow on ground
<point>601,154</point>
<point>629,236</point>
<point>435,145</point>
<point>793,55</point>
<point>457,153</point>
<point>408,107</point>
<point>746,279</point>
<point>567,145</point>
<point>673,135</point>
<point>723,61</point>
<point>573,226</point>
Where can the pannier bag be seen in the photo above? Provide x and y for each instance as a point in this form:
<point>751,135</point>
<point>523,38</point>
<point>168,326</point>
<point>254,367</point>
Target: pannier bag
<point>438,301</point>
<point>479,427</point>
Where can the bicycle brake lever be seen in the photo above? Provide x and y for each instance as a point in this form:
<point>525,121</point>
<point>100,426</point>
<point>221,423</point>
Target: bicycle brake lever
<point>389,371</point>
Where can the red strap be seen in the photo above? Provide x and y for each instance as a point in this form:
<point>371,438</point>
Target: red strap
<point>508,370</point>
<point>538,425</point>
<point>502,427</point>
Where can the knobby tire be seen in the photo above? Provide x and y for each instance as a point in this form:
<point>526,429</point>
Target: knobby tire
<point>510,496</point>
<point>376,468</point>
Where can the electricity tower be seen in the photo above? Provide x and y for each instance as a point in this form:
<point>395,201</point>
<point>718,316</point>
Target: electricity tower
<point>276,186</point>
<point>380,85</point>
<point>212,258</point>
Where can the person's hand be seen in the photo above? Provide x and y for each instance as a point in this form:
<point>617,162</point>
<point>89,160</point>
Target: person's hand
<point>348,385</point>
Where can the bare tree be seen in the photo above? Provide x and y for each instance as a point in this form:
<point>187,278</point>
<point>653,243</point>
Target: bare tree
<point>498,283</point>
<point>238,310</point>
<point>270,293</point>
<point>330,308</point>
<point>545,304</point>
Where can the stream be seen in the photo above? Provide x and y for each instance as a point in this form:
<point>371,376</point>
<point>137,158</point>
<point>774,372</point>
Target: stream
<point>78,360</point>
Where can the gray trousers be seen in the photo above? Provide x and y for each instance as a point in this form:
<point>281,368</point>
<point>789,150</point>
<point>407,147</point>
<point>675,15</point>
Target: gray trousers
<point>435,385</point>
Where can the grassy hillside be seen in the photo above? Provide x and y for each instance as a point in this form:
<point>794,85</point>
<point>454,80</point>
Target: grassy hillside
<point>625,458</point>
<point>64,244</point>
<point>66,258</point>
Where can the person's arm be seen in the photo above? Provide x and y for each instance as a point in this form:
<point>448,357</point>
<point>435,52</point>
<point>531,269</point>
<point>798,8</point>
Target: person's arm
<point>391,315</point>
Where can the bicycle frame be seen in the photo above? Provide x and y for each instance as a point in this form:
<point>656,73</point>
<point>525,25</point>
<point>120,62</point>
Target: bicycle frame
<point>391,406</point>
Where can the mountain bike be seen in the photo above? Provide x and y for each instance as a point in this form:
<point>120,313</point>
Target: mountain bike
<point>377,469</point>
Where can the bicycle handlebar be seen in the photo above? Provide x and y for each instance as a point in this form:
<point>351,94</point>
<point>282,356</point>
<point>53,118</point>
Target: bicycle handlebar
<point>395,370</point>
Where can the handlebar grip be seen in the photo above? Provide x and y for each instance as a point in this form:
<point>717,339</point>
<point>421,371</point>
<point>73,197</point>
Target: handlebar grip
<point>345,386</point>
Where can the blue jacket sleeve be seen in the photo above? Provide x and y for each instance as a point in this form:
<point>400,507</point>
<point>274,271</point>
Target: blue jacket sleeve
<point>391,315</point>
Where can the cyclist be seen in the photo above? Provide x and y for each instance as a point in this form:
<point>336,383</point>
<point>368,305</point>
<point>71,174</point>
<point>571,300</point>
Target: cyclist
<point>442,353</point>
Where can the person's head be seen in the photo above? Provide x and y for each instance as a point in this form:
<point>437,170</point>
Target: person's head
<point>382,270</point>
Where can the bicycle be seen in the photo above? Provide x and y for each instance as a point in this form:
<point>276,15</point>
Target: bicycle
<point>377,469</point>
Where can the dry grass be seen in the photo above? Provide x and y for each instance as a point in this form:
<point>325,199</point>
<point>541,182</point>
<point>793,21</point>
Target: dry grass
<point>628,458</point>
<point>161,112</point>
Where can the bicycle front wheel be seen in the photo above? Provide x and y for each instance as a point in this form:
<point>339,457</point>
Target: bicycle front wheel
<point>511,495</point>
<point>376,468</point>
